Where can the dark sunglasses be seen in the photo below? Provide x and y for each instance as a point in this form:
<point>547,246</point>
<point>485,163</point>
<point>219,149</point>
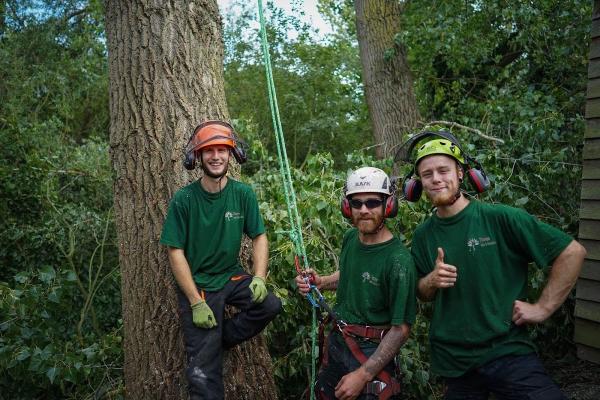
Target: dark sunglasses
<point>370,203</point>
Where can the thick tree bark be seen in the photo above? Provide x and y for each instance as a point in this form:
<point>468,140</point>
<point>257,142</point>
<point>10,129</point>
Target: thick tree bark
<point>386,74</point>
<point>166,76</point>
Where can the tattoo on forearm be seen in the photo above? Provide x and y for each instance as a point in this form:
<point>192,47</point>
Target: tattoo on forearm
<point>386,351</point>
<point>331,285</point>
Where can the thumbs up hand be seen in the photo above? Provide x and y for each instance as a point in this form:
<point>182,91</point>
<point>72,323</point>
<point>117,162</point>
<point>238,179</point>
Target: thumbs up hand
<point>443,275</point>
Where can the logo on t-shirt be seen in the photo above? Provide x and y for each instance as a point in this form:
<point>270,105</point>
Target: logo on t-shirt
<point>474,243</point>
<point>232,215</point>
<point>367,278</point>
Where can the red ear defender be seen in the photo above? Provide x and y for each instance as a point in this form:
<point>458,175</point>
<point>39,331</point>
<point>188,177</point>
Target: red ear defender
<point>345,207</point>
<point>411,187</point>
<point>391,207</point>
<point>479,179</point>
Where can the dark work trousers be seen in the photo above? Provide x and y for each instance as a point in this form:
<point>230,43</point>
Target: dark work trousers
<point>341,361</point>
<point>204,347</point>
<point>512,377</point>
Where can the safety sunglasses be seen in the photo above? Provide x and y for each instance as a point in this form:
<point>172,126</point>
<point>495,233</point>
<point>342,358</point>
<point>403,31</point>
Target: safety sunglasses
<point>370,203</point>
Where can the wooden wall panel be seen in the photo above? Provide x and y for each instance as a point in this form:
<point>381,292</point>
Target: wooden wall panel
<point>587,306</point>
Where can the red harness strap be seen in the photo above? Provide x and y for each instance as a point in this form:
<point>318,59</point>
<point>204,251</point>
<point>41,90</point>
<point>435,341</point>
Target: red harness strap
<point>387,386</point>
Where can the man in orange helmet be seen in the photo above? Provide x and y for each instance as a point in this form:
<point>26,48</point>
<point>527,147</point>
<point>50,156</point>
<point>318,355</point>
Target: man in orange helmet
<point>203,231</point>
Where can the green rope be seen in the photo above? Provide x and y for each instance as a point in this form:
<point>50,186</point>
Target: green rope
<point>288,188</point>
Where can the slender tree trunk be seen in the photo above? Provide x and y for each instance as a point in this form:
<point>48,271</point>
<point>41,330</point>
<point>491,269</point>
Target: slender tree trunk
<point>386,74</point>
<point>2,16</point>
<point>166,76</point>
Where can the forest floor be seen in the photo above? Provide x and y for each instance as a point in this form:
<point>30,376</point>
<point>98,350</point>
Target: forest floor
<point>578,379</point>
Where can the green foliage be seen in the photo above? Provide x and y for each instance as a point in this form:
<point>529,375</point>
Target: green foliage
<point>318,84</point>
<point>59,286</point>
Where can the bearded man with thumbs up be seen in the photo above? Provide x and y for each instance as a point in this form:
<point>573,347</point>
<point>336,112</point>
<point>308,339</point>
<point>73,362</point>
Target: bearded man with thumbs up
<point>472,260</point>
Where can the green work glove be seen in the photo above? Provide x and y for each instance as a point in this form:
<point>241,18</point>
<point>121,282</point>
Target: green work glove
<point>203,316</point>
<point>258,289</point>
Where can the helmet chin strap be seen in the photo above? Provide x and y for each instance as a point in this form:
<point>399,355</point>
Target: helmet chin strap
<point>458,192</point>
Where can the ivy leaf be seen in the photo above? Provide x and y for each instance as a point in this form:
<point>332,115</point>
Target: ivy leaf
<point>522,201</point>
<point>47,274</point>
<point>51,374</point>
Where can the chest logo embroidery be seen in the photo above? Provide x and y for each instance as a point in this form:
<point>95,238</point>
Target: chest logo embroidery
<point>367,278</point>
<point>232,215</point>
<point>474,243</point>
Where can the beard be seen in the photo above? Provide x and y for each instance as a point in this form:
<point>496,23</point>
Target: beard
<point>445,199</point>
<point>213,175</point>
<point>368,225</point>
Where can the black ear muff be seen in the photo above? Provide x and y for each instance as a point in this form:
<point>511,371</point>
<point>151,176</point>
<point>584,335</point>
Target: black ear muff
<point>479,179</point>
<point>189,162</point>
<point>239,153</point>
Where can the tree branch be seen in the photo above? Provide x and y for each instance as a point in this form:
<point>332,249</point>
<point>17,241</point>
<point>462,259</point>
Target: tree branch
<point>466,128</point>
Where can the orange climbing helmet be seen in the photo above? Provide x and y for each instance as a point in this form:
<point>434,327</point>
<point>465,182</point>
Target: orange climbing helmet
<point>211,133</point>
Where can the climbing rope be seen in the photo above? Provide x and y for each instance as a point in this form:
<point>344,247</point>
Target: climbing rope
<point>290,197</point>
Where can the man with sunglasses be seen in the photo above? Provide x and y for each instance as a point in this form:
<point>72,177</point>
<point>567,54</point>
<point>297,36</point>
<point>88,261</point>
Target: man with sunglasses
<point>375,295</point>
<point>472,260</point>
<point>203,230</point>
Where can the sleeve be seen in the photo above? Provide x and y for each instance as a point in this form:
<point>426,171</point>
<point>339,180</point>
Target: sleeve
<point>253,222</point>
<point>175,228</point>
<point>403,289</point>
<point>540,242</point>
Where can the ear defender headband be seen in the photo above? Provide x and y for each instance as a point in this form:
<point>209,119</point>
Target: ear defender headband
<point>222,134</point>
<point>445,144</point>
<point>390,200</point>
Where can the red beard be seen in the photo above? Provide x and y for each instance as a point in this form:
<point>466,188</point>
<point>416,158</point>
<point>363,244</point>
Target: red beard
<point>367,225</point>
<point>444,199</point>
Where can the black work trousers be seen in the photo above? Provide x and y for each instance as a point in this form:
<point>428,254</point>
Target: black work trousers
<point>204,347</point>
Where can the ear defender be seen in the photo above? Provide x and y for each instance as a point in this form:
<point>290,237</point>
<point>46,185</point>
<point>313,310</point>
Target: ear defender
<point>391,201</point>
<point>238,151</point>
<point>189,162</point>
<point>391,207</point>
<point>412,188</point>
<point>478,178</point>
<point>345,204</point>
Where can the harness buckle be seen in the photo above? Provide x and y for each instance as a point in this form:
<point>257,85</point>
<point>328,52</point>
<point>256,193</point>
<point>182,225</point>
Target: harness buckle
<point>375,387</point>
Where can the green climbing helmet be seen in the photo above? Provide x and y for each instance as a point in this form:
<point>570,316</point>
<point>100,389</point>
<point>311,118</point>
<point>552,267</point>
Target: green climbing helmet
<point>439,146</point>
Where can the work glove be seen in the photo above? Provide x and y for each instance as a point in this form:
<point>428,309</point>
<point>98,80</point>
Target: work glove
<point>258,289</point>
<point>203,316</point>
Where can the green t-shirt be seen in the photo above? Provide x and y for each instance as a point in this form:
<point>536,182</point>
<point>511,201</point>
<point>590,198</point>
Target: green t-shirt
<point>209,227</point>
<point>377,283</point>
<point>491,247</point>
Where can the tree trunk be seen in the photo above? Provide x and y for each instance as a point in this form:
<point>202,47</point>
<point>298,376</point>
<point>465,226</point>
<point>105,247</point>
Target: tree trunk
<point>166,76</point>
<point>386,74</point>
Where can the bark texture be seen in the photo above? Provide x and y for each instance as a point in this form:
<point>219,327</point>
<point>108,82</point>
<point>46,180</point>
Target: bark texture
<point>166,76</point>
<point>386,74</point>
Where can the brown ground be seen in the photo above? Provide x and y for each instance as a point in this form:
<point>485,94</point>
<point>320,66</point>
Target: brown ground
<point>579,379</point>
